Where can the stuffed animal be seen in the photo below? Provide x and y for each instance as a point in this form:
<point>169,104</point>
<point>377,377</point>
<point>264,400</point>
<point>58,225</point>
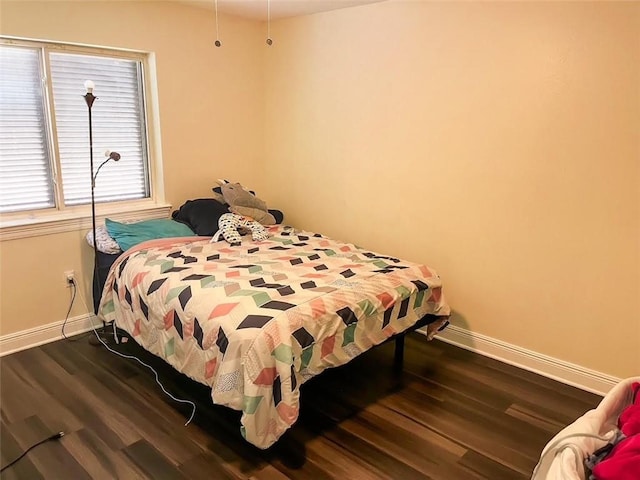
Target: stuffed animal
<point>231,223</point>
<point>242,202</point>
<point>217,191</point>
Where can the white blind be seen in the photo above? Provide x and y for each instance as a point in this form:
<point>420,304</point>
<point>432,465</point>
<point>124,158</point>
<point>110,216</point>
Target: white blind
<point>25,173</point>
<point>118,125</point>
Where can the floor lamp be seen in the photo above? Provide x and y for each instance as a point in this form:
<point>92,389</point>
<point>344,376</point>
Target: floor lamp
<point>115,156</point>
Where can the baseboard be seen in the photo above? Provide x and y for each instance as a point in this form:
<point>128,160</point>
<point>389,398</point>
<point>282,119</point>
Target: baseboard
<point>560,370</point>
<point>14,342</point>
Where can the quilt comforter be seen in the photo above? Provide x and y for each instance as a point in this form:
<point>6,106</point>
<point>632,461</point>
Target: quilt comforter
<point>255,321</point>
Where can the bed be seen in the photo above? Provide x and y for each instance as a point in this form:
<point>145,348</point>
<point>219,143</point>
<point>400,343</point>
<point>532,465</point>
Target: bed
<point>254,322</point>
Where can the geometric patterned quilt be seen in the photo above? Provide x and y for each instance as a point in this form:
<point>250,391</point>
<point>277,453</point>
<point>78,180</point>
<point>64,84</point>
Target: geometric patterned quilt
<point>255,321</point>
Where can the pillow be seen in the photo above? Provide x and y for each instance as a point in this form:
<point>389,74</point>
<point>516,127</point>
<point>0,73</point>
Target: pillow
<point>201,215</point>
<point>130,235</point>
<point>106,244</point>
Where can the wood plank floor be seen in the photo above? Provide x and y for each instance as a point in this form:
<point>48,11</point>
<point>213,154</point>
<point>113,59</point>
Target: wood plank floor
<point>449,415</point>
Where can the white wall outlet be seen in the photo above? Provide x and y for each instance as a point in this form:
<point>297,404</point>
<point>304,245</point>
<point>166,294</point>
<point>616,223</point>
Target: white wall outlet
<point>70,277</point>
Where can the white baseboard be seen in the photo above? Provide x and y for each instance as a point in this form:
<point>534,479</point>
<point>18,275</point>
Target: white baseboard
<point>14,342</point>
<point>560,370</point>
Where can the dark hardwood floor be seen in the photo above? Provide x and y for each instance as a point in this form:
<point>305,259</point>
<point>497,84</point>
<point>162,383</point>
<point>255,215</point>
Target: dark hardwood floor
<point>449,415</point>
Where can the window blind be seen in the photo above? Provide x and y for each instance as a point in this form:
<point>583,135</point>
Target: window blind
<point>118,124</point>
<point>26,182</point>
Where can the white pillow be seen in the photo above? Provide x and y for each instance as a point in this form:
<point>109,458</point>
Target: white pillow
<point>106,244</point>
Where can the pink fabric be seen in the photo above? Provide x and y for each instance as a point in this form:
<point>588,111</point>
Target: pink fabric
<point>629,421</point>
<point>623,463</point>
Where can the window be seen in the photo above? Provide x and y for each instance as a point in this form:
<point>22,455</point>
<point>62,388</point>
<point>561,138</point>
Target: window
<point>44,131</point>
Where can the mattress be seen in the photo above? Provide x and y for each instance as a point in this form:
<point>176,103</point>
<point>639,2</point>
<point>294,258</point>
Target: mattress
<point>255,321</point>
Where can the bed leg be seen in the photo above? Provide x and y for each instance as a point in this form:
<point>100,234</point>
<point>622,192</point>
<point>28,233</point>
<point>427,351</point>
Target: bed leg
<point>398,356</point>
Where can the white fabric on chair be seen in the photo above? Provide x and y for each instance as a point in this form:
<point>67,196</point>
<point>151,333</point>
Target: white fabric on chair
<point>563,457</point>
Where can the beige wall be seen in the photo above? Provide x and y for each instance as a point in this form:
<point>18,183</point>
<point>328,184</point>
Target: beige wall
<point>209,130</point>
<point>497,142</point>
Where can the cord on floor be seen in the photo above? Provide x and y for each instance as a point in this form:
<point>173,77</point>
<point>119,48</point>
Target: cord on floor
<point>157,378</point>
<point>55,436</point>
<point>132,357</point>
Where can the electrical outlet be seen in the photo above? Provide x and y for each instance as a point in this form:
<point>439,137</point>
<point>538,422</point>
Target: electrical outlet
<point>69,277</point>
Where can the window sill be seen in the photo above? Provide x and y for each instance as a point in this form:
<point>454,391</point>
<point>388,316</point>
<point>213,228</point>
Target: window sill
<point>60,222</point>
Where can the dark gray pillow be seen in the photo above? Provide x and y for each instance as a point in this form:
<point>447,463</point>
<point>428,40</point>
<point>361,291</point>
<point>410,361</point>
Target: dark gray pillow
<point>202,215</point>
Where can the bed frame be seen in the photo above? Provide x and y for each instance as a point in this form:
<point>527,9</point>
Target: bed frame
<point>398,354</point>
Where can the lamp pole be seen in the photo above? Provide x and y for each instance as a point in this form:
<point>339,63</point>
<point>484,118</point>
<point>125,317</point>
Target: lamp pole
<point>89,98</point>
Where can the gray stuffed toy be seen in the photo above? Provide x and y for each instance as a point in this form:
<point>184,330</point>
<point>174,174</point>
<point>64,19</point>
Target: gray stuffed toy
<point>244,203</point>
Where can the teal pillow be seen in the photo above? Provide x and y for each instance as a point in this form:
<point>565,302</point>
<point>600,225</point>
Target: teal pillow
<point>128,235</point>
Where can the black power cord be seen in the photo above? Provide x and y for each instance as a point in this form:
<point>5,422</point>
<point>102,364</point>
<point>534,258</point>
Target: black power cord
<point>55,436</point>
<point>74,285</point>
<point>72,282</point>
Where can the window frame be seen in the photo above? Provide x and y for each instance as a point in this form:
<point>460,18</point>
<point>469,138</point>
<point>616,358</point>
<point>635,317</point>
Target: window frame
<point>61,217</point>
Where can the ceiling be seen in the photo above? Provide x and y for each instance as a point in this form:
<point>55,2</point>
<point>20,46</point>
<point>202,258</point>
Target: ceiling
<point>257,9</point>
